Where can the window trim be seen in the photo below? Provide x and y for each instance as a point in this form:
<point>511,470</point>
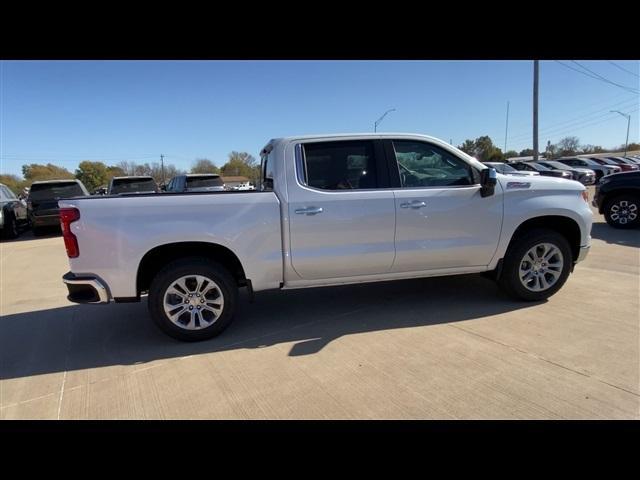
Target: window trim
<point>379,157</point>
<point>394,167</point>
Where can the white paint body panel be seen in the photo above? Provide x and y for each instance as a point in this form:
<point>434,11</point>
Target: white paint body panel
<point>360,236</point>
<point>115,233</point>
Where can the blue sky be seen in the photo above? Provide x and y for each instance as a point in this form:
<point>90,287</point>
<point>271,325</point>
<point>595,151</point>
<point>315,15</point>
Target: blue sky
<point>64,112</point>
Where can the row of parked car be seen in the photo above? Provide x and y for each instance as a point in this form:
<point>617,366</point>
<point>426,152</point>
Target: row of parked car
<point>40,207</point>
<point>194,182</point>
<point>586,170</point>
<point>617,197</point>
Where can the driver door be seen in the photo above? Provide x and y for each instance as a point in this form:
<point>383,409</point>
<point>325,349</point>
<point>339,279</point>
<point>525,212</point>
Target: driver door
<point>442,221</point>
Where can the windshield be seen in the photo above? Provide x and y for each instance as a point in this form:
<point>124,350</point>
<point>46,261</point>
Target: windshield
<point>540,167</point>
<point>557,165</point>
<point>53,191</point>
<point>504,168</point>
<point>203,182</point>
<point>133,185</point>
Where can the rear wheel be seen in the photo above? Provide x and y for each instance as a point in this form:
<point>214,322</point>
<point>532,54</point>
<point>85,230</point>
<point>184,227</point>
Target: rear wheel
<point>536,265</point>
<point>193,299</point>
<point>623,211</point>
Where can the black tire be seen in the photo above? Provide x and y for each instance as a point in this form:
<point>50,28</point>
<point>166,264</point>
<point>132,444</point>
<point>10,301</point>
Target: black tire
<point>614,207</point>
<point>192,266</point>
<point>510,278</point>
<point>10,227</point>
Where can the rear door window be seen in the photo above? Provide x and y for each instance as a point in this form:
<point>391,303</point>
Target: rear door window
<point>342,165</point>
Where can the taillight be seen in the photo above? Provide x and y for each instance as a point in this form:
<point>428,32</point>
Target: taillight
<point>67,216</point>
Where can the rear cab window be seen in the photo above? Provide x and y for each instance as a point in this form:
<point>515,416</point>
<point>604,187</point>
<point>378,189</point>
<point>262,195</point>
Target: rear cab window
<point>54,191</point>
<point>204,181</point>
<point>133,185</point>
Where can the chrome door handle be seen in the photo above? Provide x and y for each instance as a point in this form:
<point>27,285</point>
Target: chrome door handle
<point>309,210</point>
<point>413,204</point>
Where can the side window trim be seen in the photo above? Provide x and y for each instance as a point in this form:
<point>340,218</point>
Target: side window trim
<point>379,157</point>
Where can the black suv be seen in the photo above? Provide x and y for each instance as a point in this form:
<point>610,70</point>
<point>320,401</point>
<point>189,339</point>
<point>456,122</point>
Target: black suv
<point>42,203</point>
<point>618,198</point>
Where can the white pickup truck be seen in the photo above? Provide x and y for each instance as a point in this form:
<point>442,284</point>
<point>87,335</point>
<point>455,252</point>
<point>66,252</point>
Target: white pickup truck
<point>330,210</point>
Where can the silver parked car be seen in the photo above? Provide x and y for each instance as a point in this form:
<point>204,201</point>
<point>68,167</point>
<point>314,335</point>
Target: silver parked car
<point>585,176</point>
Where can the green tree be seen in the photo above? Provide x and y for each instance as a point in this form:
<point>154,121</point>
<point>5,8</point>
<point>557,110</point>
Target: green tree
<point>240,163</point>
<point>568,146</point>
<point>527,152</point>
<point>15,183</point>
<point>511,154</point>
<point>483,149</point>
<point>204,165</point>
<point>35,171</point>
<point>115,171</point>
<point>92,174</point>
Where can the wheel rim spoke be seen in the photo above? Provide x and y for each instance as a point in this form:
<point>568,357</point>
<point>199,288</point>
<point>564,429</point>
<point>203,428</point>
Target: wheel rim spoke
<point>541,267</point>
<point>193,302</point>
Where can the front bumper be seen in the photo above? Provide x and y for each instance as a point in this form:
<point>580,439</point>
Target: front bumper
<point>584,251</point>
<point>85,289</point>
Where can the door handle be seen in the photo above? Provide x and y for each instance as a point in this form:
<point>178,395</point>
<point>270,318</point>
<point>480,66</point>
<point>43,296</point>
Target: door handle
<point>309,210</point>
<point>413,204</point>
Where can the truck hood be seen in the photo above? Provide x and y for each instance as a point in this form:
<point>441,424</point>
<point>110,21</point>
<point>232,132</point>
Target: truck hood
<point>538,182</point>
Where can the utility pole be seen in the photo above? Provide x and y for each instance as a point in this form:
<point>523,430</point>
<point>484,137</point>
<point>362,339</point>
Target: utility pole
<point>535,110</point>
<point>162,166</point>
<point>506,129</point>
<point>626,142</point>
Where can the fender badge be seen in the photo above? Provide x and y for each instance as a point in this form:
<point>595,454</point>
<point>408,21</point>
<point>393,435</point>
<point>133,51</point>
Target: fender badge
<point>511,185</point>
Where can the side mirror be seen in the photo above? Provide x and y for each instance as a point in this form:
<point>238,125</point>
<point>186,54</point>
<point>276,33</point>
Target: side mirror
<point>488,180</point>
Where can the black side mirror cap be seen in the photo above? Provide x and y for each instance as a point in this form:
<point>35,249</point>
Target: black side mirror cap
<point>488,181</point>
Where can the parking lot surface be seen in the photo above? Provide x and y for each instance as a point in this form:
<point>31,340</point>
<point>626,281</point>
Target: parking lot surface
<point>445,348</point>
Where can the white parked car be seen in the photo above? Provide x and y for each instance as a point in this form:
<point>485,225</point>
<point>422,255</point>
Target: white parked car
<point>507,169</point>
<point>331,210</point>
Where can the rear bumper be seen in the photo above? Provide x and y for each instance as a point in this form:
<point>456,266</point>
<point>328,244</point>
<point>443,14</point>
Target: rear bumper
<point>45,220</point>
<point>85,289</point>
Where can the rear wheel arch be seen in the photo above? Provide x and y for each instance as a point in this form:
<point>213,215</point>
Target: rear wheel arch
<point>158,257</point>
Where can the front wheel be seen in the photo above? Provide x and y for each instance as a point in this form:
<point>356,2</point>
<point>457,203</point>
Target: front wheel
<point>10,229</point>
<point>536,265</point>
<point>623,211</point>
<point>193,299</point>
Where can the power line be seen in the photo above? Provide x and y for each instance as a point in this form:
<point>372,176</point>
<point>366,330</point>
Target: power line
<point>583,107</point>
<point>603,78</point>
<point>596,76</point>
<point>579,119</point>
<point>577,128</point>
<point>623,69</point>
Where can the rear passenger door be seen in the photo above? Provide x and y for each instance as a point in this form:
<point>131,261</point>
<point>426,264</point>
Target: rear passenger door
<point>341,210</point>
